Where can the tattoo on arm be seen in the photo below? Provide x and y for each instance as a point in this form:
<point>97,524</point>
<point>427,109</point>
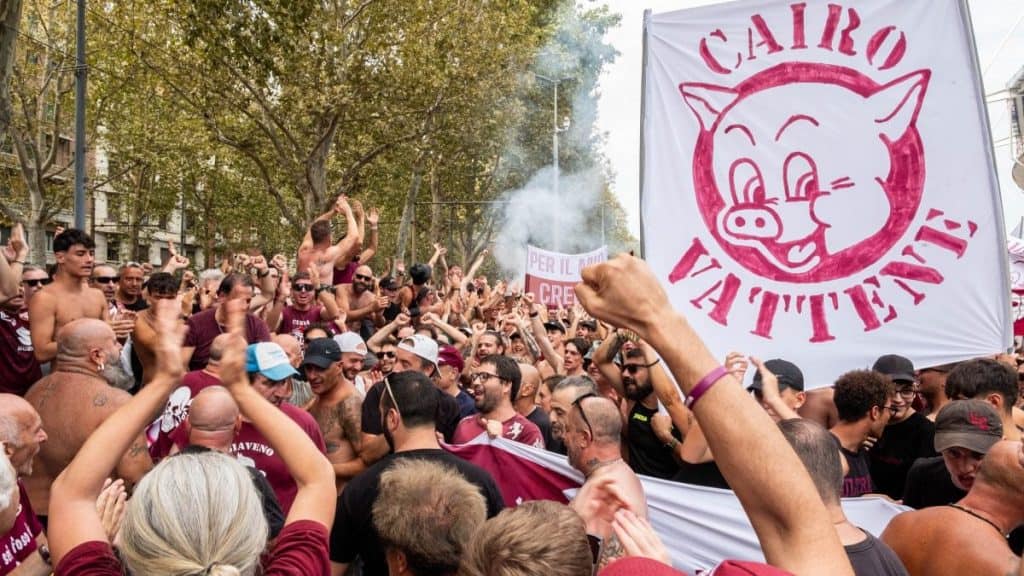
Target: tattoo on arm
<point>611,550</point>
<point>350,415</point>
<point>99,400</point>
<point>136,449</point>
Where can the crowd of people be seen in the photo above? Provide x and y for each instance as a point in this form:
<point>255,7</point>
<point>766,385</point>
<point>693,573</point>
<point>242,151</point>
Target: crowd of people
<point>293,415</point>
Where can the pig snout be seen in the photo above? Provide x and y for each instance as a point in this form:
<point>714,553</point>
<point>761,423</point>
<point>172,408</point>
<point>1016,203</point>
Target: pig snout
<point>748,221</point>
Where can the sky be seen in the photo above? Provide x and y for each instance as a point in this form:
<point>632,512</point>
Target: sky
<point>999,32</point>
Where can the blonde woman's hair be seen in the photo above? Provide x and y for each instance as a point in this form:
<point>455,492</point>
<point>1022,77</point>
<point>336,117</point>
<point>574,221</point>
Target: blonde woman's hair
<point>536,537</point>
<point>195,514</point>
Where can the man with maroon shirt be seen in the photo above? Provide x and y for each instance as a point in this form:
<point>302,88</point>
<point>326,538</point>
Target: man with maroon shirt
<point>494,384</point>
<point>208,324</point>
<point>311,304</point>
<point>22,547</point>
<point>161,433</point>
<point>19,368</point>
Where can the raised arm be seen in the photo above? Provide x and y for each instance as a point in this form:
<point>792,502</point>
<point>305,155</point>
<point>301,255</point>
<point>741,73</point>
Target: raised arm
<point>13,262</point>
<point>341,253</point>
<point>774,489</point>
<point>540,335</point>
<point>73,516</point>
<point>373,218</point>
<point>310,469</point>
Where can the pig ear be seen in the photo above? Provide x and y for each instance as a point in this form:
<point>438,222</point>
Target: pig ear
<point>707,101</point>
<point>896,105</point>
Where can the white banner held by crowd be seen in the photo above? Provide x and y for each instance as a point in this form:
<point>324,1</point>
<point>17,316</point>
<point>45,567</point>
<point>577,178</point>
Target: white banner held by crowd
<point>551,276</point>
<point>818,182</point>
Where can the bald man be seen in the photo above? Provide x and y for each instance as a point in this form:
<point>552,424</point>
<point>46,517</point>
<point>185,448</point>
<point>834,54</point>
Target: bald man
<point>526,402</point>
<point>74,400</point>
<point>359,301</point>
<point>968,537</point>
<point>212,424</point>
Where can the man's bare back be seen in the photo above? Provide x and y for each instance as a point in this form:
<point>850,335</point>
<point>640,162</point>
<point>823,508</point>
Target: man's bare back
<point>72,405</point>
<point>944,540</point>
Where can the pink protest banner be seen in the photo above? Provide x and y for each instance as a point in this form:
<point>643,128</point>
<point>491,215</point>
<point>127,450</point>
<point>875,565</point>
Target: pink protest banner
<point>818,182</point>
<point>551,276</point>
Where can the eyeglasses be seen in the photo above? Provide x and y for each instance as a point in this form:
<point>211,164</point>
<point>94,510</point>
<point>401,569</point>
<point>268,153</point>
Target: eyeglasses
<point>907,392</point>
<point>394,401</point>
<point>386,354</point>
<point>37,282</point>
<point>364,277</point>
<point>106,279</point>
<point>483,377</point>
<point>302,287</point>
<point>892,409</point>
<point>578,404</point>
<point>632,368</point>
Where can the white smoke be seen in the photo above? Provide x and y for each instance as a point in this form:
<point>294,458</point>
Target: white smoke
<point>535,215</point>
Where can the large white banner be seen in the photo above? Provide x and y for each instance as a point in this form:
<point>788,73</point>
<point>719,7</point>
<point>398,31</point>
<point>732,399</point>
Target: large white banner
<point>700,526</point>
<point>552,276</point>
<point>818,182</point>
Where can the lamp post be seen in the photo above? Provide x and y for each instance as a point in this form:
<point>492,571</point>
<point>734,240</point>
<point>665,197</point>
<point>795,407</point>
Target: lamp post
<point>554,155</point>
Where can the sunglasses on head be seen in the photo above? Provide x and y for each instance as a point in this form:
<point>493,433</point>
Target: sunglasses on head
<point>35,283</point>
<point>578,404</point>
<point>302,287</point>
<point>106,279</point>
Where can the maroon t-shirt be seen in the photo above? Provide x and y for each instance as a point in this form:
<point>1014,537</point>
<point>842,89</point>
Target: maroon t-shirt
<point>19,369</point>
<point>203,328</point>
<point>20,541</point>
<point>301,550</point>
<point>159,434</point>
<point>345,275</point>
<point>517,428</point>
<point>295,322</point>
<point>252,449</point>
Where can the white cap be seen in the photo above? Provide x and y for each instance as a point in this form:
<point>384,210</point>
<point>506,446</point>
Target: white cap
<point>351,342</point>
<point>423,346</point>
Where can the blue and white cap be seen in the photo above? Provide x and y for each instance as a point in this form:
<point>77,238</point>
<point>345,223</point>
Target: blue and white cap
<point>270,360</point>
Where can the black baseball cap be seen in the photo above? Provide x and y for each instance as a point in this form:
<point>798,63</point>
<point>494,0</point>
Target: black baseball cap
<point>322,352</point>
<point>551,325</point>
<point>786,372</point>
<point>896,367</point>
<point>971,424</point>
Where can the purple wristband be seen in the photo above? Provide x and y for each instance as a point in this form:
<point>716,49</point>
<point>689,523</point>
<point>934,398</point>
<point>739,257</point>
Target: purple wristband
<point>704,385</point>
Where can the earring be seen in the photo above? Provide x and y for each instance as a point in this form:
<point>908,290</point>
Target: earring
<point>102,367</point>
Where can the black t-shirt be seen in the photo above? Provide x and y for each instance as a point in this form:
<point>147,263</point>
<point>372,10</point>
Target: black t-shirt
<point>872,557</point>
<point>896,450</point>
<point>540,418</point>
<point>647,454</point>
<point>353,533</point>
<point>447,412</point>
<point>857,481</point>
<point>138,306</point>
<point>703,474</point>
<point>929,484</point>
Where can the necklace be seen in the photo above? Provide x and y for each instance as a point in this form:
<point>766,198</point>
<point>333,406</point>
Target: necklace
<point>979,517</point>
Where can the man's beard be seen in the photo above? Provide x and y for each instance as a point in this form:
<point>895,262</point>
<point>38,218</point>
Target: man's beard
<point>116,376</point>
<point>486,404</point>
<point>641,391</point>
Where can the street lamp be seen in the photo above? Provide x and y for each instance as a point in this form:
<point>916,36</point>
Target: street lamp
<point>554,153</point>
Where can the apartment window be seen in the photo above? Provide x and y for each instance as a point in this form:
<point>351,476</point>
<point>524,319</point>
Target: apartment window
<point>113,250</point>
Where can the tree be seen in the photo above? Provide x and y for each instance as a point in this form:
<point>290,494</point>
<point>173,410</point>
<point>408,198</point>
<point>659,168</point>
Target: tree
<point>10,17</point>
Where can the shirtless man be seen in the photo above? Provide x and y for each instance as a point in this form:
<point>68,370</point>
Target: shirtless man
<point>68,297</point>
<point>967,537</point>
<point>75,399</point>
<point>316,248</point>
<point>336,405</point>
<point>359,300</point>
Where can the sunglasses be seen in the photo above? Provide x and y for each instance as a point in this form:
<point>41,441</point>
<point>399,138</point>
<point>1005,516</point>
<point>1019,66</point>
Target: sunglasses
<point>37,282</point>
<point>386,354</point>
<point>394,401</point>
<point>632,368</point>
<point>106,279</point>
<point>302,287</point>
<point>578,404</point>
<point>364,277</point>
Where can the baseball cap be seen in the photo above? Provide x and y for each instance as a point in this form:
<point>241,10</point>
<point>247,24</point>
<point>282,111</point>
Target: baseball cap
<point>591,324</point>
<point>788,374</point>
<point>322,352</point>
<point>896,367</point>
<point>971,424</point>
<point>450,356</point>
<point>351,342</point>
<point>388,283</point>
<point>268,359</point>
<point>552,325</point>
<point>422,346</point>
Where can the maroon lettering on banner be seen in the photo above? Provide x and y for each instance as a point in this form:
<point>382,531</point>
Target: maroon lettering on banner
<point>551,293</point>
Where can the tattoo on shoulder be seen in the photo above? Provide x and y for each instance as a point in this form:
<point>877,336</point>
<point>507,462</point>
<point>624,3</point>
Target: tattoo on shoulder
<point>99,400</point>
<point>136,449</point>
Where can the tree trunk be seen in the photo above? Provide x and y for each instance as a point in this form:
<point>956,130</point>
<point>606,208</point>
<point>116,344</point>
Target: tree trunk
<point>10,13</point>
<point>410,208</point>
<point>435,207</point>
